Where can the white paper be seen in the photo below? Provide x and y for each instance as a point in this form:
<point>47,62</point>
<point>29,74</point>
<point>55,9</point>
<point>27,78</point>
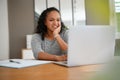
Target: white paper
<point>22,63</point>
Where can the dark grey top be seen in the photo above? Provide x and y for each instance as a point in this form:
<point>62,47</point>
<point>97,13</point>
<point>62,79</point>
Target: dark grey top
<point>49,46</point>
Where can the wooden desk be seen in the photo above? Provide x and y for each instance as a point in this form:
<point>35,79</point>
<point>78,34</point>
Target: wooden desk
<point>48,72</point>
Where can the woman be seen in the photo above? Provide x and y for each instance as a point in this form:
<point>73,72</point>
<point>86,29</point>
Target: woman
<point>50,39</point>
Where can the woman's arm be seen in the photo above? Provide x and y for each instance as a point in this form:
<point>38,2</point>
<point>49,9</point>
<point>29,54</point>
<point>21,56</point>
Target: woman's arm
<point>63,45</point>
<point>46,56</point>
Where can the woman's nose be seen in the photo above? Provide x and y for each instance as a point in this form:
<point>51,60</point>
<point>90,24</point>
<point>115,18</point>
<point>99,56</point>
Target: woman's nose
<point>55,23</point>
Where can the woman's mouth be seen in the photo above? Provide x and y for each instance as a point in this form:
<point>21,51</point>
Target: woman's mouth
<point>55,27</point>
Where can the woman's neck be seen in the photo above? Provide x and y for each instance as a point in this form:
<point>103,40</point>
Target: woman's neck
<point>49,36</point>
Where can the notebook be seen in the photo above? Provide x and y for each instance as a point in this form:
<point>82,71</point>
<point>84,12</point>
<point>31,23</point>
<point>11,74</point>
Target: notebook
<point>90,44</point>
<point>21,63</point>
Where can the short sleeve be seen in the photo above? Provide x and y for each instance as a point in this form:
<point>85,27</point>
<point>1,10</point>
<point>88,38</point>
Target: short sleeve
<point>36,43</point>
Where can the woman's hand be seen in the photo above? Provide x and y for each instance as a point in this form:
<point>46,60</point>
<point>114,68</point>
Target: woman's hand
<point>56,31</point>
<point>61,58</point>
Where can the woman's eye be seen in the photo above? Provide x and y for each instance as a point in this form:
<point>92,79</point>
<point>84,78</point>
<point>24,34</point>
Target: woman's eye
<point>58,20</point>
<point>55,20</point>
<point>51,20</point>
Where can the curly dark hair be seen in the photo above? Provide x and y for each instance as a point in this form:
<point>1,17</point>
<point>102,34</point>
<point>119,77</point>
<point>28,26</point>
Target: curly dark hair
<point>41,27</point>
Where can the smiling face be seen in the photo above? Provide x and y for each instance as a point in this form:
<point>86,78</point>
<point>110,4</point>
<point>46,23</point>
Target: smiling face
<point>52,21</point>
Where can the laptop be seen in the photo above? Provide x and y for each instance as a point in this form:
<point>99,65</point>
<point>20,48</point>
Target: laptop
<point>90,44</point>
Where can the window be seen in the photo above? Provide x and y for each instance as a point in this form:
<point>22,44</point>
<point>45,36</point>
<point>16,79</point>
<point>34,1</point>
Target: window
<point>117,12</point>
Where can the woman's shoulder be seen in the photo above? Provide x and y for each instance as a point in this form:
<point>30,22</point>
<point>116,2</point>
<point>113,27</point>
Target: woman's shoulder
<point>36,36</point>
<point>65,32</point>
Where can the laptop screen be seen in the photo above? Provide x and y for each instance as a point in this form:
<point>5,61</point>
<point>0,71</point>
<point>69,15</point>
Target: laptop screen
<point>90,44</point>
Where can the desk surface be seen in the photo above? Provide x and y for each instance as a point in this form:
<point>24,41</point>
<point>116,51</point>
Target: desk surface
<point>48,72</point>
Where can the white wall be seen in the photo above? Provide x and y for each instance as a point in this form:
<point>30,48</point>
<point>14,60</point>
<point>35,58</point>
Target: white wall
<point>4,37</point>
